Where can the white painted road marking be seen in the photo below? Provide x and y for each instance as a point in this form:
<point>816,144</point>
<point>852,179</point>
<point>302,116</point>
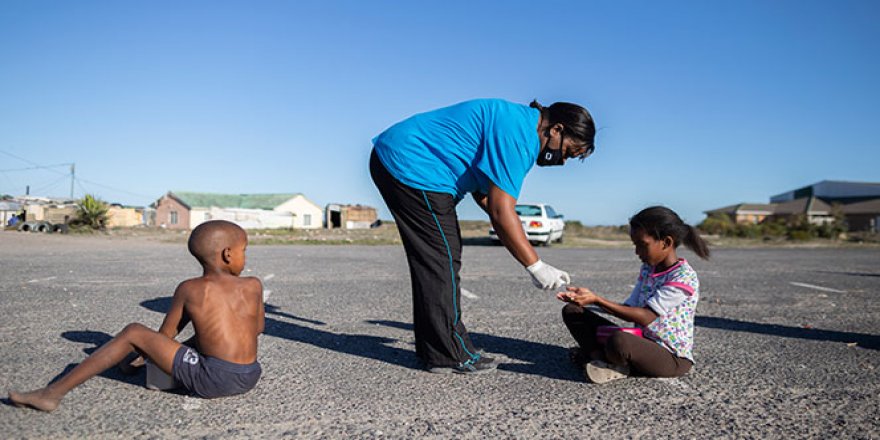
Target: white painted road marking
<point>811,286</point>
<point>42,279</point>
<point>468,294</point>
<point>269,277</point>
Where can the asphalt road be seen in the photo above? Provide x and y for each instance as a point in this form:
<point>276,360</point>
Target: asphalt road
<point>788,346</point>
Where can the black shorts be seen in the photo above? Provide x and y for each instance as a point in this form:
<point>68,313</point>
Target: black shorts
<point>209,377</point>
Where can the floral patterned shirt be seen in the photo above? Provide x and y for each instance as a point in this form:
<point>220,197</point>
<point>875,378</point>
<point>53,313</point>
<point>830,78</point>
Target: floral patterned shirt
<point>672,295</point>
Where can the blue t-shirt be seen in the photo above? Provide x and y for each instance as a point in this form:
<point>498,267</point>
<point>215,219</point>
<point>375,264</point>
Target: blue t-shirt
<point>462,148</point>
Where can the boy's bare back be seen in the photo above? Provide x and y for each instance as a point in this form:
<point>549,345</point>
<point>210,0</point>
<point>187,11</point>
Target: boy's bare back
<point>226,313</point>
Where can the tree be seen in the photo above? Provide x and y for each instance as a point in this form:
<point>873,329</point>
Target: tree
<point>91,213</point>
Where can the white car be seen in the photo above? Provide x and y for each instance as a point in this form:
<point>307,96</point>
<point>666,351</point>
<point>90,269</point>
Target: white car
<point>542,224</point>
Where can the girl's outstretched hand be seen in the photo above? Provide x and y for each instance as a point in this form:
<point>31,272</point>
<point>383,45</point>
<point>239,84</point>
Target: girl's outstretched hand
<point>577,295</point>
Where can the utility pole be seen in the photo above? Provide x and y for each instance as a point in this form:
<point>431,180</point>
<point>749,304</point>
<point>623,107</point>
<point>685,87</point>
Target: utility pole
<point>72,177</point>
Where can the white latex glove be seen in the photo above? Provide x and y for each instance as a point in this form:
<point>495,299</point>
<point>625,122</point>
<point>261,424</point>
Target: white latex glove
<point>547,277</point>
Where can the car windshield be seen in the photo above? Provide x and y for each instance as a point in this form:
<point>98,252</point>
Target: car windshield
<point>528,210</point>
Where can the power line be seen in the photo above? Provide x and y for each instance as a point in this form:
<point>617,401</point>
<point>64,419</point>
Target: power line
<point>79,180</point>
<point>45,188</point>
<point>36,165</point>
<point>42,167</point>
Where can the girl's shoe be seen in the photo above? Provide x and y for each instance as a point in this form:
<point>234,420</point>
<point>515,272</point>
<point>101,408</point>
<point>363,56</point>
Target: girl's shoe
<point>602,372</point>
<point>577,357</point>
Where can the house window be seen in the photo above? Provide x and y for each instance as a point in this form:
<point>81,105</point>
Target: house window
<point>173,215</point>
<point>307,219</point>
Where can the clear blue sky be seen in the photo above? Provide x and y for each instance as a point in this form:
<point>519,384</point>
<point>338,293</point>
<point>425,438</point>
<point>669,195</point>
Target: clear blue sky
<point>699,104</point>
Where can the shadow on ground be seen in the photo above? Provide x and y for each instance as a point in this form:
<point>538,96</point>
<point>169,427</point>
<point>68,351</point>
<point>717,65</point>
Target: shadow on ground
<point>368,346</point>
<point>539,359</point>
<point>96,340</point>
<point>863,340</point>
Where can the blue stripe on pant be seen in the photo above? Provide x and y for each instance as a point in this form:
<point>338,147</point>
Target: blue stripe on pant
<point>428,227</point>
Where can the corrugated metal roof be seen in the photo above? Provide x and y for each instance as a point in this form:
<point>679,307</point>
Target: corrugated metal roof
<point>10,206</point>
<point>244,201</point>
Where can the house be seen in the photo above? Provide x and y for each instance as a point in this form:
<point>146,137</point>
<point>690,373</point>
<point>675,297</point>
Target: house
<point>350,216</point>
<point>745,212</point>
<point>8,209</point>
<point>815,210</point>
<point>863,216</point>
<point>858,202</point>
<point>186,210</point>
<point>48,209</point>
<point>119,216</point>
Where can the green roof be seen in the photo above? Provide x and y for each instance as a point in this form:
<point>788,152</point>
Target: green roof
<point>244,201</point>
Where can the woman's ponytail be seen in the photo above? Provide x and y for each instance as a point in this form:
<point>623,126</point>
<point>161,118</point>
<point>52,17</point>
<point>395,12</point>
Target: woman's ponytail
<point>576,120</point>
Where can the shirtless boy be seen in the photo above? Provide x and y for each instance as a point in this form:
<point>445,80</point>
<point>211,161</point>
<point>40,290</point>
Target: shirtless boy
<point>226,312</point>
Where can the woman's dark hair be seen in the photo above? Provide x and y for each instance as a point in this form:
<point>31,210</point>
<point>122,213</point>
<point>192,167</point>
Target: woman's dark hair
<point>576,121</point>
<point>660,222</point>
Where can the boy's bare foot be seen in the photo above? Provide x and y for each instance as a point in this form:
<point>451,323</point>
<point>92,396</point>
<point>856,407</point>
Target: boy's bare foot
<point>38,399</point>
<point>131,364</point>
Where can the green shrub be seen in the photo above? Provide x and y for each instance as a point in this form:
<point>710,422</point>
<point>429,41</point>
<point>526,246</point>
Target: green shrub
<point>574,226</point>
<point>774,229</point>
<point>747,230</point>
<point>718,224</point>
<point>800,235</point>
<point>91,213</point>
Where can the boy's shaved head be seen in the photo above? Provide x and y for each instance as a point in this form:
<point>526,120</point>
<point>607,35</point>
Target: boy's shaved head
<point>210,238</point>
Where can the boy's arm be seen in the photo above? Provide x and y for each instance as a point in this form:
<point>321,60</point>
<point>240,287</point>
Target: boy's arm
<point>583,296</point>
<point>176,318</point>
<point>261,312</point>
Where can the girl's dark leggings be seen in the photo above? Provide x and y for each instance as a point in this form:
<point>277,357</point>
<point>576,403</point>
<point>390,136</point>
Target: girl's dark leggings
<point>643,356</point>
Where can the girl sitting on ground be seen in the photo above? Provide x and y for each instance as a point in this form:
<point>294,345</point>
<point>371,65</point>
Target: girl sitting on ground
<point>662,305</point>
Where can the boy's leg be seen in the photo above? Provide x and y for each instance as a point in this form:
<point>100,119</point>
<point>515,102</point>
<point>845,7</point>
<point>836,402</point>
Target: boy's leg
<point>644,356</point>
<point>135,361</point>
<point>155,346</point>
<point>582,325</point>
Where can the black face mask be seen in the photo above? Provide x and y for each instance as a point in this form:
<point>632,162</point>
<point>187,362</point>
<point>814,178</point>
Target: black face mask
<point>548,157</point>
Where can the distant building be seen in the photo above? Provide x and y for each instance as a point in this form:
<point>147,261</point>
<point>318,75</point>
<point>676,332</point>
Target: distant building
<point>745,212</point>
<point>119,216</point>
<point>833,191</point>
<point>859,202</point>
<point>350,216</point>
<point>186,210</point>
<point>8,209</point>
<point>48,209</point>
<point>863,216</point>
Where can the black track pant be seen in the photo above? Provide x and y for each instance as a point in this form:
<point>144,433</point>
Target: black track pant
<point>431,236</point>
<point>643,356</point>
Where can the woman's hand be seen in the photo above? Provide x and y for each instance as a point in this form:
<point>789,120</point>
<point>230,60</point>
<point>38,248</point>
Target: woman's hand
<point>578,295</point>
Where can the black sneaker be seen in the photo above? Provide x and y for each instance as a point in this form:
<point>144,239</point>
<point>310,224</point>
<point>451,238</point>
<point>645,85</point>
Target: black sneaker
<point>482,365</point>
